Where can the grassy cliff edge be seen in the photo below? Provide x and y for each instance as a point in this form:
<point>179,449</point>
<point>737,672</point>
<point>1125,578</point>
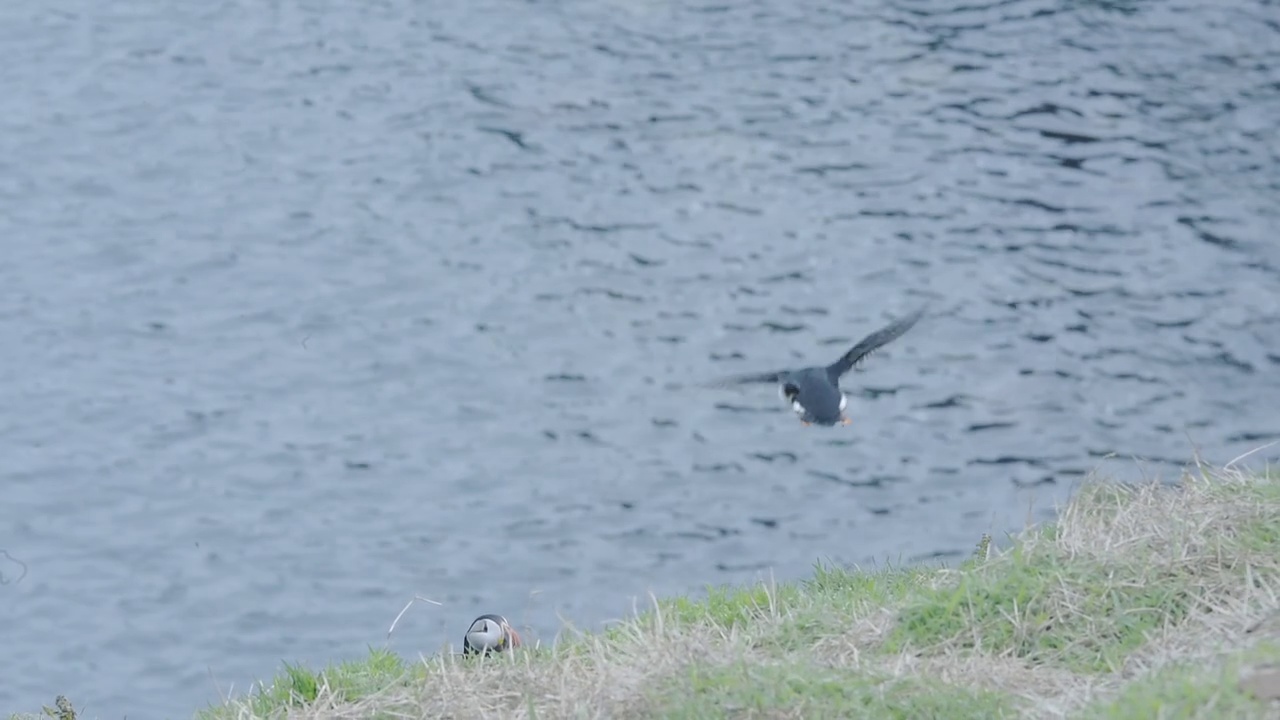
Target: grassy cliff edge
<point>1140,601</point>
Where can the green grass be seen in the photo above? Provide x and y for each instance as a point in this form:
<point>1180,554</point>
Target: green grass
<point>352,680</point>
<point>806,691</point>
<point>1138,602</point>
<point>1046,609</point>
<point>1051,604</point>
<point>729,606</point>
<point>1190,691</point>
<point>786,617</point>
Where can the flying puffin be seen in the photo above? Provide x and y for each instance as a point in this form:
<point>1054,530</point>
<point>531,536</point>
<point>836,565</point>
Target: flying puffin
<point>490,633</point>
<point>814,392</point>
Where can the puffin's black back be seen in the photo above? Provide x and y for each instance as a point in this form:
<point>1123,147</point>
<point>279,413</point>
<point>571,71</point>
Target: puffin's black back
<point>467,647</point>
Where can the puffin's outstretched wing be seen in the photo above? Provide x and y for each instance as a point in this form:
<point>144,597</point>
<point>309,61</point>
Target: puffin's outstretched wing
<point>873,342</point>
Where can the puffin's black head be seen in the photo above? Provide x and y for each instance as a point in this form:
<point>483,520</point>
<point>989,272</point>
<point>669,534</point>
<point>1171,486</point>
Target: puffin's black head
<point>490,633</point>
<point>814,397</point>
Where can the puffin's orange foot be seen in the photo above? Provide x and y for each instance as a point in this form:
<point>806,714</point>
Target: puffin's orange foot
<point>845,421</point>
<point>806,423</point>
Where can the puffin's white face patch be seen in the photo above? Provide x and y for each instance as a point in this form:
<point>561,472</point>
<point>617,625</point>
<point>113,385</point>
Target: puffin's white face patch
<point>844,400</point>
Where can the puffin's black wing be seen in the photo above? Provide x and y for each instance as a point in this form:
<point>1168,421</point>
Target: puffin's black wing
<point>873,342</point>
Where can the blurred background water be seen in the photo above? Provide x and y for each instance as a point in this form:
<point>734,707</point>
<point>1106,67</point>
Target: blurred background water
<point>313,306</point>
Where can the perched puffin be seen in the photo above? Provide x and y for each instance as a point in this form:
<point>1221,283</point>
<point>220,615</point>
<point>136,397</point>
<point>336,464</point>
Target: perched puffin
<point>490,633</point>
<point>814,392</point>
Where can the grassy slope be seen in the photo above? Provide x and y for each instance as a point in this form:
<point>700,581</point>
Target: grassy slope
<point>1139,602</point>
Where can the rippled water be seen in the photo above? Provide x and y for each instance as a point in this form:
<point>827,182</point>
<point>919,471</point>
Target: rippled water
<point>314,306</point>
